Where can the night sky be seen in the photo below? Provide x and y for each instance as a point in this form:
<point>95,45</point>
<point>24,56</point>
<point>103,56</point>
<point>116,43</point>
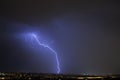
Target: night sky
<point>84,33</point>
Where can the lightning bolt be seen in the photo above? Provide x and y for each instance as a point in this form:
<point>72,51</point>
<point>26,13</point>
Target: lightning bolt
<point>52,50</point>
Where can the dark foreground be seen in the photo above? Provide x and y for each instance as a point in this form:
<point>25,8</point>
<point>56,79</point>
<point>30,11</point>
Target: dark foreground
<point>40,76</point>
